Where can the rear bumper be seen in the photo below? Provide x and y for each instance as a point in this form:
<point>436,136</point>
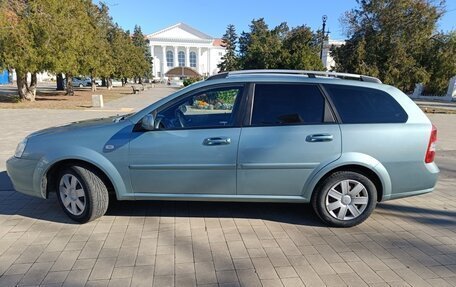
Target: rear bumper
<point>21,171</point>
<point>427,180</point>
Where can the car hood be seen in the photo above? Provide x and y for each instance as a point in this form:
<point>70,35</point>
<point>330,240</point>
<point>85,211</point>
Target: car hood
<point>71,127</point>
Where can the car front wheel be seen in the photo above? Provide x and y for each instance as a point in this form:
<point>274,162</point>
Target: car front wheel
<point>345,199</point>
<point>82,193</point>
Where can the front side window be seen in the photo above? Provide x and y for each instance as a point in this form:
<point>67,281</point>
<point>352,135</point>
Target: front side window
<point>357,105</point>
<point>181,58</point>
<point>193,59</point>
<point>285,104</point>
<point>211,108</point>
<point>169,58</point>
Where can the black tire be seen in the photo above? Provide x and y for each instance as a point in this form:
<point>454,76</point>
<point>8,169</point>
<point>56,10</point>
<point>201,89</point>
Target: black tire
<point>319,198</point>
<point>95,191</point>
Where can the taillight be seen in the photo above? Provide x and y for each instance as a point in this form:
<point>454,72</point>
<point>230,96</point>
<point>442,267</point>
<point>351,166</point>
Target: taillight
<point>430,153</point>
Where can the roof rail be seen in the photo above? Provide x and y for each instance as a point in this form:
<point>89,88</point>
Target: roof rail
<point>310,74</point>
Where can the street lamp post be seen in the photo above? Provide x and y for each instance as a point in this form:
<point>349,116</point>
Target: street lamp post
<point>324,18</point>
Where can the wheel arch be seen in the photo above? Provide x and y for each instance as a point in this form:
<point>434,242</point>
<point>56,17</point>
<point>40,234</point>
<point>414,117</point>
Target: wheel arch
<point>51,175</point>
<point>79,155</point>
<point>356,162</point>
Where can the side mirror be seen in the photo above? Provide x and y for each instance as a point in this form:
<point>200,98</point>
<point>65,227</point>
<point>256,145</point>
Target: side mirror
<point>148,122</point>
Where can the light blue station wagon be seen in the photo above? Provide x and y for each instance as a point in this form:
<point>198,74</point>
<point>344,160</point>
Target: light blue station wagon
<point>342,142</point>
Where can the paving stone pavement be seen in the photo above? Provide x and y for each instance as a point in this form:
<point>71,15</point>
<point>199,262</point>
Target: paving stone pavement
<point>407,242</point>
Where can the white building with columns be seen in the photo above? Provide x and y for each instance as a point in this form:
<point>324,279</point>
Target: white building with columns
<point>183,46</point>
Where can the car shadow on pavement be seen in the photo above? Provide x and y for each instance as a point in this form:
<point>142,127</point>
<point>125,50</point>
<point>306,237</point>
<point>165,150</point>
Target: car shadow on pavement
<point>15,203</point>
<point>5,182</point>
<point>300,214</point>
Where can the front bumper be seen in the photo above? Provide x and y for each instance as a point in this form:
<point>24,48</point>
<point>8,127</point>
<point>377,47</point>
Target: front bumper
<point>21,171</point>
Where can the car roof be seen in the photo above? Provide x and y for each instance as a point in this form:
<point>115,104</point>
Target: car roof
<point>307,73</point>
<point>284,78</point>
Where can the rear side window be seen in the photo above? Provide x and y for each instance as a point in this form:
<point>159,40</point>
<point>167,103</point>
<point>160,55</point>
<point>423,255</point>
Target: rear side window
<point>357,105</point>
<point>284,104</point>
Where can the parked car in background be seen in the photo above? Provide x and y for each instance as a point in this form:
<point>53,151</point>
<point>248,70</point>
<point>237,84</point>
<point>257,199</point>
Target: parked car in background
<point>341,142</point>
<point>81,82</point>
<point>116,83</point>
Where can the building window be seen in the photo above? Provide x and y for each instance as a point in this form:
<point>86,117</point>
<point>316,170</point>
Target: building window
<point>181,58</point>
<point>169,58</point>
<point>220,54</point>
<point>193,59</point>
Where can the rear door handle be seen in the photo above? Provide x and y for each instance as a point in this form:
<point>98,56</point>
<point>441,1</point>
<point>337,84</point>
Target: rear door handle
<point>217,141</point>
<point>319,138</point>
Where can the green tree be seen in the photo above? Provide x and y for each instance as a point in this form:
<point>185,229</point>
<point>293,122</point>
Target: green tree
<point>128,59</point>
<point>279,48</point>
<point>97,60</point>
<point>388,39</point>
<point>440,62</point>
<point>143,60</point>
<point>25,41</point>
<point>230,60</point>
<point>72,39</point>
<point>301,50</point>
<point>261,48</point>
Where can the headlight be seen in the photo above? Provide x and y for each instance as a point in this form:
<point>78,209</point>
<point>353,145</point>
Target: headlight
<point>20,148</point>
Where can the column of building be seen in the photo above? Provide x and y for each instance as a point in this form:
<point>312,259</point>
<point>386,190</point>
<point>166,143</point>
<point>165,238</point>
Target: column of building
<point>198,61</point>
<point>152,54</point>
<point>164,62</point>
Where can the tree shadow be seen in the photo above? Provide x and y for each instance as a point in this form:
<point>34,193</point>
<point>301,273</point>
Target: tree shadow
<point>440,217</point>
<point>48,98</point>
<point>11,99</point>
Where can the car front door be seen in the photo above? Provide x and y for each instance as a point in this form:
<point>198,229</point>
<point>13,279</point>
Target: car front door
<point>290,132</point>
<point>194,148</point>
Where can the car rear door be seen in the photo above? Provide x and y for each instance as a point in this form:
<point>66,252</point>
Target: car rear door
<point>290,131</point>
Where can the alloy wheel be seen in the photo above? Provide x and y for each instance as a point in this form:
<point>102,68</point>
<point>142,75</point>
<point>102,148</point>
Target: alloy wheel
<point>72,194</point>
<point>347,199</point>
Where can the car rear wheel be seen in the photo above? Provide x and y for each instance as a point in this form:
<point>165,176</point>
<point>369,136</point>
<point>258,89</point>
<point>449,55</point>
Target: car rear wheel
<point>82,193</point>
<point>345,199</point>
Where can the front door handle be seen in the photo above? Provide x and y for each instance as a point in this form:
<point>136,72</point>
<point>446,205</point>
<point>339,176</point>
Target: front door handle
<point>319,138</point>
<point>217,141</point>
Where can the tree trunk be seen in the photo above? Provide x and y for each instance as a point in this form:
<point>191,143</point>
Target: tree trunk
<point>23,88</point>
<point>33,85</point>
<point>69,84</point>
<point>140,80</point>
<point>93,84</point>
<point>60,85</point>
<point>10,76</point>
<point>109,83</point>
<point>103,82</point>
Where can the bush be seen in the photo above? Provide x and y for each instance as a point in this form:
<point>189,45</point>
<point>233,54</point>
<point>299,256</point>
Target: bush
<point>189,81</point>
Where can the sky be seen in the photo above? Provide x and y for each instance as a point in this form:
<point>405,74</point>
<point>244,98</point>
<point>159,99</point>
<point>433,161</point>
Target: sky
<point>212,16</point>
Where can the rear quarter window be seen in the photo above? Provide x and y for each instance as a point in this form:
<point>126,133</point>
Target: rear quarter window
<point>358,105</point>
